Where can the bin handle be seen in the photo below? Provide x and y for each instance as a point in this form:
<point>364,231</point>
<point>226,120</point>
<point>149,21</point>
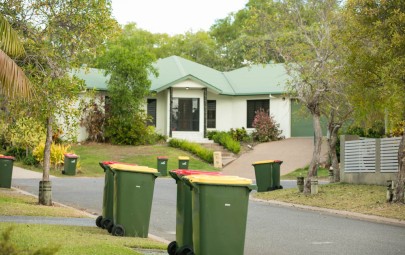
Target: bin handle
<point>189,183</point>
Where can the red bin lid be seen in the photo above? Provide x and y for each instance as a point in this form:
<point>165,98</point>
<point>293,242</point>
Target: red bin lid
<point>116,162</point>
<point>163,157</point>
<point>7,157</point>
<point>184,172</point>
<point>71,155</point>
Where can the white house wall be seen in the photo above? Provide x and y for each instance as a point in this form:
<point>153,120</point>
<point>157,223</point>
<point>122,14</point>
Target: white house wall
<point>231,112</point>
<point>281,111</point>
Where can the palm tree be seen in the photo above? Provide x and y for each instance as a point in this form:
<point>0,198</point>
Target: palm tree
<point>13,81</point>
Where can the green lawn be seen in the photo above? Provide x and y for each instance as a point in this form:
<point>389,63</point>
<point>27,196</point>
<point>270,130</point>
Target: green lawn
<point>323,173</point>
<point>93,153</point>
<point>68,239</point>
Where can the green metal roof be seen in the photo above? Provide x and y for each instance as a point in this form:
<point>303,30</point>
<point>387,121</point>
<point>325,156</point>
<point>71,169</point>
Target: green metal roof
<point>94,78</point>
<point>253,80</point>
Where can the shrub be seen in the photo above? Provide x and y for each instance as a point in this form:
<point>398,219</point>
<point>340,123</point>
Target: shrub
<point>239,134</point>
<point>133,131</point>
<point>26,133</point>
<point>58,152</point>
<point>266,127</point>
<point>195,148</point>
<point>210,134</point>
<point>226,140</point>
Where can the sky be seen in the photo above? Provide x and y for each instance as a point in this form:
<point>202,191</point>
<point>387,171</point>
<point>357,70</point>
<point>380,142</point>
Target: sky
<point>174,16</point>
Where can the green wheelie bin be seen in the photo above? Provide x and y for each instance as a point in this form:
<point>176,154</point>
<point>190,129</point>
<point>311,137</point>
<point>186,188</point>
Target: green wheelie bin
<point>267,175</point>
<point>133,194</point>
<point>6,171</point>
<point>70,163</point>
<point>183,162</point>
<point>162,165</point>
<point>184,230</point>
<point>106,219</point>
<point>219,211</point>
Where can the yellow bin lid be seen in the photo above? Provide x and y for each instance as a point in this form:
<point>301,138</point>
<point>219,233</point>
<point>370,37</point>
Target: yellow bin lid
<point>263,162</point>
<point>183,158</point>
<point>130,168</point>
<point>218,179</point>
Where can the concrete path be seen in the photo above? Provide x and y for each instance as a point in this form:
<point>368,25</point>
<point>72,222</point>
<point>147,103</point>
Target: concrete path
<point>294,152</point>
<point>20,173</point>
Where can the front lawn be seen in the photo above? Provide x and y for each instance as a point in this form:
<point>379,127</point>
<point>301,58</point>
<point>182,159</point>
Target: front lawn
<point>92,153</point>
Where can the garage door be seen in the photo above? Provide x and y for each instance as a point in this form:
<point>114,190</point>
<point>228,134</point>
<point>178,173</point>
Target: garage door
<point>301,121</point>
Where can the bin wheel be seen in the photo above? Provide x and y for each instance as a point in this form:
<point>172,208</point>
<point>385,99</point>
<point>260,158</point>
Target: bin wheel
<point>172,248</point>
<point>105,223</point>
<point>185,250</point>
<point>109,227</point>
<point>98,221</point>
<point>118,230</point>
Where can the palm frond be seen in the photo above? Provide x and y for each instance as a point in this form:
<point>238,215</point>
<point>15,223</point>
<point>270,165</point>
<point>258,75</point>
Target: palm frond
<point>9,41</point>
<point>13,81</point>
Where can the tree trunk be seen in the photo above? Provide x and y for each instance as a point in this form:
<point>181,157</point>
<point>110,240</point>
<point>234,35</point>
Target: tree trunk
<point>399,190</point>
<point>313,167</point>
<point>333,131</point>
<point>45,197</point>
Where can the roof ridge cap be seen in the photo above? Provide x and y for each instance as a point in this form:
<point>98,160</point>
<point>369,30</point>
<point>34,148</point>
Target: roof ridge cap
<point>228,81</point>
<point>179,66</point>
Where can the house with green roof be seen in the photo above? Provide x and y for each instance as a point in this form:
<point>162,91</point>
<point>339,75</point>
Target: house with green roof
<point>190,99</point>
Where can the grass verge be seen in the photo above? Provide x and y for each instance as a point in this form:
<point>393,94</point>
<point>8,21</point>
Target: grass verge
<point>13,203</point>
<point>323,173</point>
<point>92,153</point>
<point>75,240</point>
<point>68,239</point>
<point>366,199</point>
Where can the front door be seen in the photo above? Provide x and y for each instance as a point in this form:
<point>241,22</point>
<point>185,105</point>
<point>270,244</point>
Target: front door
<point>186,114</point>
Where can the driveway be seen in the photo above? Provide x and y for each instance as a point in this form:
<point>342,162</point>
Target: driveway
<point>294,152</point>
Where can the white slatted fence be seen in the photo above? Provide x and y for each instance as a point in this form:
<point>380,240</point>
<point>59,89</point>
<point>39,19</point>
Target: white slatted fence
<point>360,156</point>
<point>389,154</point>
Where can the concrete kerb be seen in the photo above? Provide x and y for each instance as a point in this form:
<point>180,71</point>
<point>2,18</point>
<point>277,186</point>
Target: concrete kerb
<point>351,215</point>
<point>90,215</point>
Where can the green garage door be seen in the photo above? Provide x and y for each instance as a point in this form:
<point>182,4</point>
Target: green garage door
<point>301,121</point>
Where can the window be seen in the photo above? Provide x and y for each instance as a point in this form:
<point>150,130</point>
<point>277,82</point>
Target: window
<point>211,113</point>
<point>252,107</point>
<point>186,114</point>
<point>151,111</point>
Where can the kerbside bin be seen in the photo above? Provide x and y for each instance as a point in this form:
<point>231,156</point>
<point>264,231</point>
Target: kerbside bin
<point>184,230</point>
<point>106,218</point>
<point>70,163</point>
<point>133,194</point>
<point>162,165</point>
<point>219,209</point>
<point>267,175</point>
<point>6,171</point>
<point>183,162</point>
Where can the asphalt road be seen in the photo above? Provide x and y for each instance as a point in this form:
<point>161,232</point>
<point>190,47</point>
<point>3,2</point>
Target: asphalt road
<point>271,229</point>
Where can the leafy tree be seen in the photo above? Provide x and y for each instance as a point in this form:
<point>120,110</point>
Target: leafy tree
<point>375,39</point>
<point>198,47</point>
<point>128,60</point>
<point>301,34</point>
<point>57,35</point>
<point>13,81</point>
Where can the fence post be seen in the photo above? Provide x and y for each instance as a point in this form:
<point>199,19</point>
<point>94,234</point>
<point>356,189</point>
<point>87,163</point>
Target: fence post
<point>378,156</point>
